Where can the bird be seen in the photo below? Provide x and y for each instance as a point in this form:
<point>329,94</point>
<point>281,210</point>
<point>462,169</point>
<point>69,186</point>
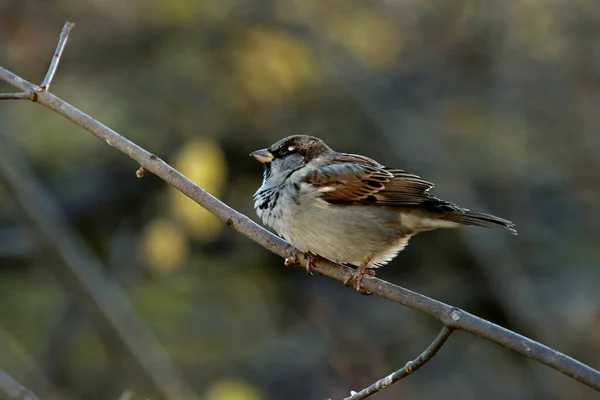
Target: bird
<point>349,208</point>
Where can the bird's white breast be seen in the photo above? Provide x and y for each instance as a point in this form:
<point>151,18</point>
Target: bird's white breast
<point>347,234</point>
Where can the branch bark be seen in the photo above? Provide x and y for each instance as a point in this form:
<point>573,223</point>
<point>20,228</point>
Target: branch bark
<point>17,96</point>
<point>408,369</point>
<point>79,271</point>
<point>11,389</point>
<point>60,48</point>
<point>451,317</point>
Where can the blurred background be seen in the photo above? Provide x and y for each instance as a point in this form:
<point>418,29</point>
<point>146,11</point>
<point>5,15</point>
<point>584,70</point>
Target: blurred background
<point>497,102</point>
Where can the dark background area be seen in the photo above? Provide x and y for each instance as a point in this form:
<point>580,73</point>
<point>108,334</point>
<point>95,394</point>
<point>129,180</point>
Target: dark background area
<point>496,101</point>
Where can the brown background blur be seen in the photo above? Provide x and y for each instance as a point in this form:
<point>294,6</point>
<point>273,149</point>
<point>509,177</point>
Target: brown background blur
<point>498,102</point>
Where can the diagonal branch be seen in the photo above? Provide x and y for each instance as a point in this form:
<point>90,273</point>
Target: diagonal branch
<point>497,261</point>
<point>11,389</point>
<point>408,369</point>
<point>450,316</point>
<point>79,271</point>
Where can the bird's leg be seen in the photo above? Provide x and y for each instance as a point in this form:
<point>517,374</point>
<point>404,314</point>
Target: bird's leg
<point>357,276</point>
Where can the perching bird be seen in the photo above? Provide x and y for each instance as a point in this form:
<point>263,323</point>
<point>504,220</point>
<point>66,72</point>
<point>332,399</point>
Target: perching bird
<point>349,208</point>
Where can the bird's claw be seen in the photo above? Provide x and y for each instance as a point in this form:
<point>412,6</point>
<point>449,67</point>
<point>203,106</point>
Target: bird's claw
<point>310,261</point>
<point>290,261</point>
<point>356,280</point>
<point>310,258</point>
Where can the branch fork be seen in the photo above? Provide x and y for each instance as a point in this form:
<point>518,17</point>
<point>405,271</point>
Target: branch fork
<point>31,94</point>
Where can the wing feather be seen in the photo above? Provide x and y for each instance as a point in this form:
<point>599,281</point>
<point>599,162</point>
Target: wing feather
<point>355,179</point>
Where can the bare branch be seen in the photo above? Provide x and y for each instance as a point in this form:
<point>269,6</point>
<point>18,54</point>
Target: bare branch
<point>409,368</point>
<point>62,42</point>
<point>11,389</point>
<point>451,317</point>
<point>82,274</point>
<point>17,96</point>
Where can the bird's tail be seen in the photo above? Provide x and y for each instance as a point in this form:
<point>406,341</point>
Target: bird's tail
<point>466,217</point>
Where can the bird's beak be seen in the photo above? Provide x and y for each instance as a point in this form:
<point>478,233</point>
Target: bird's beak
<point>263,155</point>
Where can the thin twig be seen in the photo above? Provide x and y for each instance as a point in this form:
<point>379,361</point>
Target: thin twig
<point>79,271</point>
<point>450,316</point>
<point>11,389</point>
<point>409,368</point>
<point>82,275</point>
<point>60,47</point>
<point>17,96</point>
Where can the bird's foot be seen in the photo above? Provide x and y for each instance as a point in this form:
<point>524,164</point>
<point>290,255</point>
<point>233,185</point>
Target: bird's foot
<point>310,258</point>
<point>310,261</point>
<point>291,261</point>
<point>356,279</point>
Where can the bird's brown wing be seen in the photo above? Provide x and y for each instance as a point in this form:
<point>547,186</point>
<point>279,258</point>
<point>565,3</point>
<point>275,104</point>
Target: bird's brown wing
<point>353,179</point>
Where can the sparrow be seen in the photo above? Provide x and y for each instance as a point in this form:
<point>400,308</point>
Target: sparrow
<point>349,208</point>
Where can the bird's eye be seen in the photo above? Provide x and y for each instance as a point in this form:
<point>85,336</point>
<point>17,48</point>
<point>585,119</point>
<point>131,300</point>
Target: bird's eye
<point>284,151</point>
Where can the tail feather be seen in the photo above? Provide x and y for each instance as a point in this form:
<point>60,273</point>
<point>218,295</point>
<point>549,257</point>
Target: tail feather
<point>466,217</point>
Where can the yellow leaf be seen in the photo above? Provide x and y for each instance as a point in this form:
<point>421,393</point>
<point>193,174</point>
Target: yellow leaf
<point>188,12</point>
<point>374,39</point>
<point>231,389</point>
<point>164,245</point>
<point>203,162</point>
<point>272,65</point>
